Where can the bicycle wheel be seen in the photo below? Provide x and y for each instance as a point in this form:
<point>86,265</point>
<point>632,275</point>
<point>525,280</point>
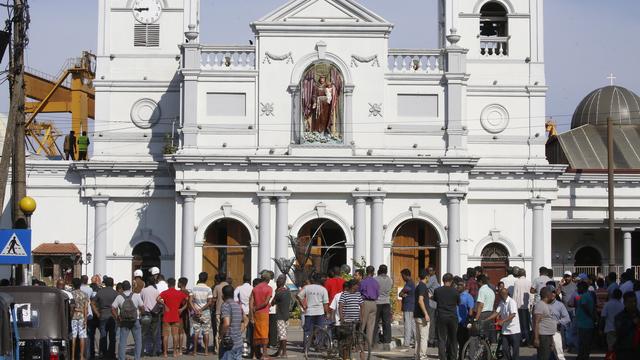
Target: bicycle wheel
<point>319,344</point>
<point>476,349</point>
<point>360,348</point>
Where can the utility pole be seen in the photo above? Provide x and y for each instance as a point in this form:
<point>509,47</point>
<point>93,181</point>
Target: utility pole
<point>19,183</point>
<point>610,183</point>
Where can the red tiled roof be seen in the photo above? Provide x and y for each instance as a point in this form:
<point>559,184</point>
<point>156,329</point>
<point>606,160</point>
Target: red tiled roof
<point>54,249</point>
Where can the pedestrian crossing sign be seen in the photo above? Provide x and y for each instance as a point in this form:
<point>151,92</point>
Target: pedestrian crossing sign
<point>15,245</point>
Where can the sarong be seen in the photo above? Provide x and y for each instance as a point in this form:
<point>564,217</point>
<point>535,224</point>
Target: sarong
<point>261,328</point>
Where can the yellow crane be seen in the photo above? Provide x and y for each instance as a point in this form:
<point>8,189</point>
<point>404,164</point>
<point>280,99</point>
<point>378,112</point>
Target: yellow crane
<point>71,91</point>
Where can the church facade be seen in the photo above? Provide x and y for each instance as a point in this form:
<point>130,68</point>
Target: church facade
<point>214,158</point>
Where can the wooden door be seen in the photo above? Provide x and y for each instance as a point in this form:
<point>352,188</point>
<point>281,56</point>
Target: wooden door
<point>495,270</point>
<point>236,256</point>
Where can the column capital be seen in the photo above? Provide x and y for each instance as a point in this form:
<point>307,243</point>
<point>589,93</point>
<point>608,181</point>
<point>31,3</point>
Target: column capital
<point>188,194</point>
<point>277,194</point>
<point>100,200</point>
<point>455,196</point>
<point>628,229</point>
<point>379,194</point>
<point>538,203</point>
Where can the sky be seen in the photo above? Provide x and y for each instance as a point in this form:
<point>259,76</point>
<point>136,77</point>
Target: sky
<point>585,40</point>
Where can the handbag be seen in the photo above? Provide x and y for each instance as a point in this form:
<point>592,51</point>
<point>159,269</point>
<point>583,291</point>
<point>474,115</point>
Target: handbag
<point>158,308</point>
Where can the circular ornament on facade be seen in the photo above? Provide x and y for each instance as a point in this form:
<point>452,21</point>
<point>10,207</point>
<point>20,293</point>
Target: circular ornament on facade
<point>494,118</point>
<point>145,113</point>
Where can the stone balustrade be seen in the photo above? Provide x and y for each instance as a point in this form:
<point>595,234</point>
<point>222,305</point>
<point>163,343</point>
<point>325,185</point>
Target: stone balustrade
<point>415,61</point>
<point>228,58</point>
<point>494,45</point>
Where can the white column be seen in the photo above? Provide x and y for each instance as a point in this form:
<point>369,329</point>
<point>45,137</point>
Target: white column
<point>377,241</point>
<point>282,229</point>
<point>627,247</point>
<point>264,234</point>
<point>187,267</point>
<point>100,236</point>
<point>453,232</point>
<point>537,237</point>
<point>359,229</point>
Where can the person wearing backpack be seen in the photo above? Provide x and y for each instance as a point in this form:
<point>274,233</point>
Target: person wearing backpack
<point>126,310</point>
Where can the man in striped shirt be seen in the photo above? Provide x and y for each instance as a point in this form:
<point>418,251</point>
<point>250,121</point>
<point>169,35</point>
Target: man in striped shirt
<point>350,304</point>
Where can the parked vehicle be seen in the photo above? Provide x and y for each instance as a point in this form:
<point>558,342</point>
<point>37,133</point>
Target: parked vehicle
<point>7,333</point>
<point>43,322</point>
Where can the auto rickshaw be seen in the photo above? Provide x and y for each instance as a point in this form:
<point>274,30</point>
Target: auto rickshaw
<point>43,322</point>
<point>8,333</point>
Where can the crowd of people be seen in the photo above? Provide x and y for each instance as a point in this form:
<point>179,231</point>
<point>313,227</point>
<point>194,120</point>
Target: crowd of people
<point>552,316</point>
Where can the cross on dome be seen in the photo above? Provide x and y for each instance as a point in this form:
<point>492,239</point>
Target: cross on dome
<point>611,78</point>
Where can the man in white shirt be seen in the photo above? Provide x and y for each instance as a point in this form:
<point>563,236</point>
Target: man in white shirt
<point>334,307</point>
<point>242,294</point>
<point>509,281</point>
<point>151,330</point>
<point>522,297</point>
<point>539,282</point>
<point>507,314</point>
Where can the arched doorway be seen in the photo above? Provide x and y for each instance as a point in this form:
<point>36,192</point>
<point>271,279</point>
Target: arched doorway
<point>415,246</point>
<point>328,244</point>
<point>227,249</point>
<point>145,256</point>
<point>495,260</point>
<point>588,256</point>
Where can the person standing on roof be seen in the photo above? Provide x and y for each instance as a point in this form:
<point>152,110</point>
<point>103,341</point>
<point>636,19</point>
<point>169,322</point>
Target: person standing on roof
<point>69,145</point>
<point>83,146</point>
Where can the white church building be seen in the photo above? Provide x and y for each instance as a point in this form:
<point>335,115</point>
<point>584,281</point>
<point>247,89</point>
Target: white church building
<point>209,158</point>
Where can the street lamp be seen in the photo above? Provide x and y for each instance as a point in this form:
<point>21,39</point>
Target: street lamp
<point>564,261</point>
<point>28,207</point>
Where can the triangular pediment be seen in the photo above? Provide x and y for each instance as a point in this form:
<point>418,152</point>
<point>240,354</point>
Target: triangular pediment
<point>323,11</point>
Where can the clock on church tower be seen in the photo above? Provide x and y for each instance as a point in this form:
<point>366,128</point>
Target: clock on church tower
<point>147,11</point>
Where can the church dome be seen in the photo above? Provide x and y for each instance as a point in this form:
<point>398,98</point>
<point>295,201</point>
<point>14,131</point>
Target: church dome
<point>621,104</point>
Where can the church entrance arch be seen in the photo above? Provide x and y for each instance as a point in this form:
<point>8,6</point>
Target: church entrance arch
<point>588,256</point>
<point>227,249</point>
<point>415,246</point>
<point>145,256</point>
<point>327,244</point>
<point>495,260</point>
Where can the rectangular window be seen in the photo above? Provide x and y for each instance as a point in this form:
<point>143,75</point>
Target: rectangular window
<point>146,35</point>
<point>417,105</point>
<point>227,104</point>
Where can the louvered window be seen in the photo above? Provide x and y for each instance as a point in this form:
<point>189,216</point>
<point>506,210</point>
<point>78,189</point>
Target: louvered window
<point>146,35</point>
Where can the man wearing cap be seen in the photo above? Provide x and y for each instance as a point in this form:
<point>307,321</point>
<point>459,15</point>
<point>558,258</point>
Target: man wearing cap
<point>507,315</point>
<point>138,283</point>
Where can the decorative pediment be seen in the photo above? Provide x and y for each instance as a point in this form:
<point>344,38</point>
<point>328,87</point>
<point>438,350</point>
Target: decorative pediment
<point>323,11</point>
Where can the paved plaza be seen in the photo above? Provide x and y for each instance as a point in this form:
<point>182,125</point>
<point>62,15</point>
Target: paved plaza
<point>295,349</point>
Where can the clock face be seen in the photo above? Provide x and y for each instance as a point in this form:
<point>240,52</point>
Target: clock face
<point>147,11</point>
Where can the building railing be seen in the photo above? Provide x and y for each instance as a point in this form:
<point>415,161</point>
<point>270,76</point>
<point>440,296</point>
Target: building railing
<point>415,61</point>
<point>494,45</point>
<point>558,270</point>
<point>228,58</point>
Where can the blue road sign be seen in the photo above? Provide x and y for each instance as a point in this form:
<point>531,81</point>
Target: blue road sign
<point>15,246</point>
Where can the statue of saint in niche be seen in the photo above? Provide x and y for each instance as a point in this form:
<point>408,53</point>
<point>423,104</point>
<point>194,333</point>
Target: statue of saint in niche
<point>322,106</point>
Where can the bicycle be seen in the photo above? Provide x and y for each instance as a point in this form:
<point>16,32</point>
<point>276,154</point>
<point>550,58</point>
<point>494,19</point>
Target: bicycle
<point>319,344</point>
<point>338,342</point>
<point>478,347</point>
<point>352,342</point>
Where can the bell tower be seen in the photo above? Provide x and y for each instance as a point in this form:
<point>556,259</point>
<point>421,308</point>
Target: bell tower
<point>137,84</point>
<point>505,61</point>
